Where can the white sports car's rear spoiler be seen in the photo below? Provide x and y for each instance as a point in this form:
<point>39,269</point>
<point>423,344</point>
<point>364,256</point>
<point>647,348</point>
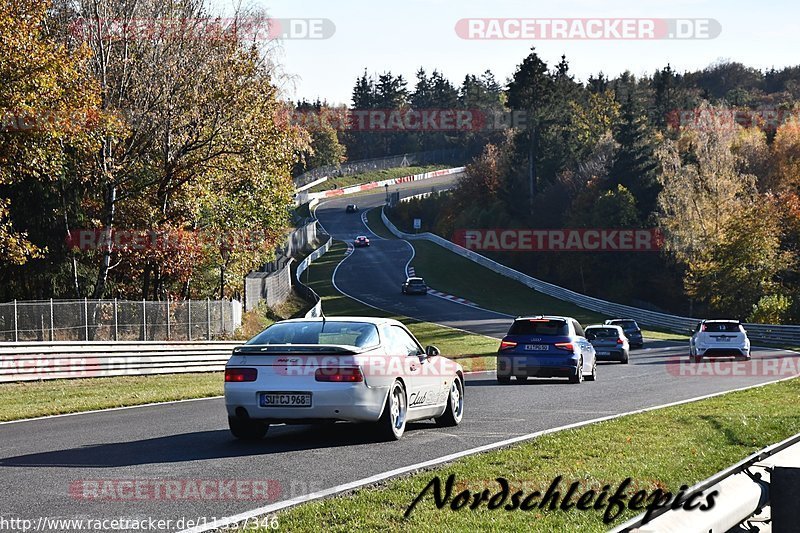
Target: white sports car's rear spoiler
<point>298,349</point>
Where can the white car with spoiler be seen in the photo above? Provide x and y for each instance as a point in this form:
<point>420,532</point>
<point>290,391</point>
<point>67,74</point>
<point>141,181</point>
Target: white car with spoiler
<point>353,369</point>
<point>719,338</point>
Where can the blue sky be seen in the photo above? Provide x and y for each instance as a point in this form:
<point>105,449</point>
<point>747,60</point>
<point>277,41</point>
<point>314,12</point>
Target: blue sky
<point>402,36</point>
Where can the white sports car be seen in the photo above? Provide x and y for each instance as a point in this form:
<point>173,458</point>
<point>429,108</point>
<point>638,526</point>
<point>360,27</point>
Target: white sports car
<point>719,338</point>
<point>353,369</point>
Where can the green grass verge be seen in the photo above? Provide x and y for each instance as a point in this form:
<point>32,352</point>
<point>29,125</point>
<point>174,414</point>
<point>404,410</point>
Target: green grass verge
<point>457,275</point>
<point>376,224</point>
<point>474,352</point>
<point>453,274</point>
<point>373,175</point>
<point>43,398</point>
<point>663,449</point>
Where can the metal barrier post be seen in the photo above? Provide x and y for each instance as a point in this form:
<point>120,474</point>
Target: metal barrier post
<point>116,321</point>
<point>784,491</point>
<point>208,318</point>
<point>86,317</point>
<point>51,320</point>
<point>189,319</point>
<point>168,328</point>
<point>222,316</point>
<point>144,320</point>
<point>16,333</point>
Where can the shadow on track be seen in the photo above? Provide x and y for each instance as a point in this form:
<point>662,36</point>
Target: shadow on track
<point>204,445</point>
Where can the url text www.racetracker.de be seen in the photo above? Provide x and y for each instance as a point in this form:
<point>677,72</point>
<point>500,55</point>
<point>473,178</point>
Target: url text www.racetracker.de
<point>53,524</point>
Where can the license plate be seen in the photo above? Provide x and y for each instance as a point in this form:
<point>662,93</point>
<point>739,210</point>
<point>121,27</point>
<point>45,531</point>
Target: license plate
<point>723,339</point>
<point>536,347</point>
<point>286,399</point>
<point>603,353</point>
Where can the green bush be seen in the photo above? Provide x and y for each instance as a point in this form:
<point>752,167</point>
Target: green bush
<point>771,309</point>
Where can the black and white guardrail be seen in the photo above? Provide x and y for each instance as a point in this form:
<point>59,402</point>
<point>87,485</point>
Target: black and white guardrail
<point>36,361</point>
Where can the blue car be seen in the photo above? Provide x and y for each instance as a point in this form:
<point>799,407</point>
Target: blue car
<point>547,347</point>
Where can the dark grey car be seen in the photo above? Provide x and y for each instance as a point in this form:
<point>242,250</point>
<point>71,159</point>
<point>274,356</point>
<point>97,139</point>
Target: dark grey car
<point>414,286</point>
<point>609,342</point>
<point>631,329</point>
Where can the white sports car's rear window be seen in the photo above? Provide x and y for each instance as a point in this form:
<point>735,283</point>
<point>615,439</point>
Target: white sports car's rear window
<point>359,334</point>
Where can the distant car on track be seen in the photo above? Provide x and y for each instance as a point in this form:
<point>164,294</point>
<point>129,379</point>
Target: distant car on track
<point>610,343</point>
<point>719,338</point>
<point>354,369</point>
<point>546,346</point>
<point>414,286</point>
<point>361,241</point>
<point>351,208</point>
<point>631,329</point>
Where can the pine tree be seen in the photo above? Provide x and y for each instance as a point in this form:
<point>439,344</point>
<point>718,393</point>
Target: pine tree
<point>634,164</point>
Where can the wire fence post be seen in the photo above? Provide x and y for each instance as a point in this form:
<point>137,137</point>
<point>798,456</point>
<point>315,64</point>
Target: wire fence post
<point>16,323</point>
<point>222,316</point>
<point>52,332</point>
<point>116,321</point>
<point>168,328</point>
<point>189,319</point>
<point>86,317</point>
<point>144,320</point>
<point>208,319</point>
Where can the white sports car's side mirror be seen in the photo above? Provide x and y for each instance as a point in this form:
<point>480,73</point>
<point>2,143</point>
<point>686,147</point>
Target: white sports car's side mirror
<point>432,351</point>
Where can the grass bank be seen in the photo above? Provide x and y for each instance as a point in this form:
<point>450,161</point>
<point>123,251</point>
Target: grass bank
<point>704,437</point>
<point>43,398</point>
<point>373,175</point>
<point>453,274</point>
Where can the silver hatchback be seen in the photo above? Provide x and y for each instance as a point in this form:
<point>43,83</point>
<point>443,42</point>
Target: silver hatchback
<point>609,342</point>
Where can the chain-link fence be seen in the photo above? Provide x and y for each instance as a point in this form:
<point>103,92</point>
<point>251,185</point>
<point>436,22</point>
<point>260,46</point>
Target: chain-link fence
<point>113,320</point>
<point>432,157</point>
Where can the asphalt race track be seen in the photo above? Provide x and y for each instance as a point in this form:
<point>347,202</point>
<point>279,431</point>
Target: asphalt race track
<point>41,459</point>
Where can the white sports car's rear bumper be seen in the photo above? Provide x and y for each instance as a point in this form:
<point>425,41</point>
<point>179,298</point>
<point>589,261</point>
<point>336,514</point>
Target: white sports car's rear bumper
<point>352,402</point>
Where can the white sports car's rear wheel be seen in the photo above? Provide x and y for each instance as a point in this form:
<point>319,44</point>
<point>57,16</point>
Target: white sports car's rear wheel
<point>454,411</point>
<point>393,420</point>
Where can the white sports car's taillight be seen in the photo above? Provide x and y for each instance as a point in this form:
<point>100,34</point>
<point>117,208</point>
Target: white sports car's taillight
<point>339,375</point>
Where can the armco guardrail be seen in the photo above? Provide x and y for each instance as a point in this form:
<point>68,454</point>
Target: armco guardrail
<point>35,361</point>
<point>743,490</point>
<point>772,334</point>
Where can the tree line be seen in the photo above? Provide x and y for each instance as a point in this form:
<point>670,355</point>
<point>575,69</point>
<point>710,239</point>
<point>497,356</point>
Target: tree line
<point>708,157</point>
<point>141,155</point>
